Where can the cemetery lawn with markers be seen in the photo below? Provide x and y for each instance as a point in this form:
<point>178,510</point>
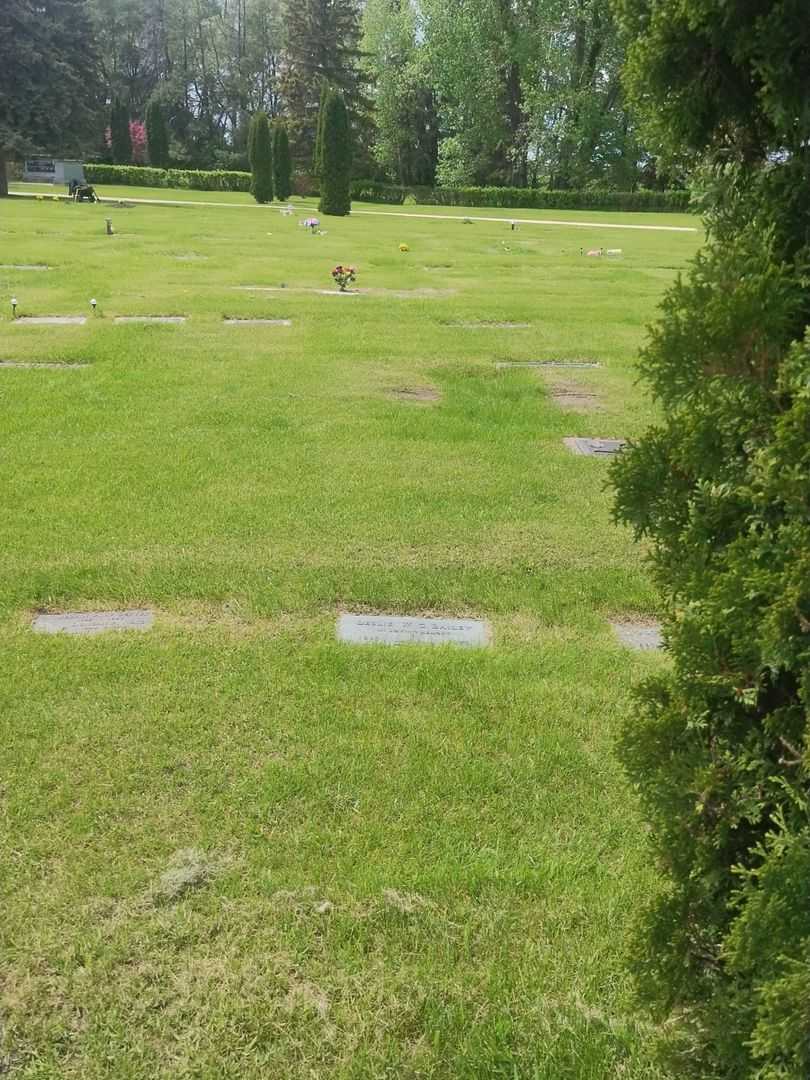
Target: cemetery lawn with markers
<point>233,846</point>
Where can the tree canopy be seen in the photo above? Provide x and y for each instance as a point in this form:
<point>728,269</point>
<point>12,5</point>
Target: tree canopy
<point>49,85</point>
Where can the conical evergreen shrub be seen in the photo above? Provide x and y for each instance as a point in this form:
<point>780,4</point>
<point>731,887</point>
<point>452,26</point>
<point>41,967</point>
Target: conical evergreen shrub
<point>336,157</point>
<point>282,162</point>
<point>260,153</point>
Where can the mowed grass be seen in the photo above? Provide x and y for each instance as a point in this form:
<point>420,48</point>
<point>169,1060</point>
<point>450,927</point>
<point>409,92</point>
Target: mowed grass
<point>233,847</point>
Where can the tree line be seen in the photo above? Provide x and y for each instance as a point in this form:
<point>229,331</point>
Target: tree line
<point>454,92</point>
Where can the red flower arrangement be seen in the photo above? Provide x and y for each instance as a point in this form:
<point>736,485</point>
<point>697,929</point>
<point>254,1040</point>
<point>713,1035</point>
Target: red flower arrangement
<point>344,276</point>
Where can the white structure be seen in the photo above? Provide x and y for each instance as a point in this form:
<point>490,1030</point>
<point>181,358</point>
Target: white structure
<point>53,171</point>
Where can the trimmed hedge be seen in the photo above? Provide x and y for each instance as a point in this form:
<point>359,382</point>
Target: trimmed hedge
<point>524,198</point>
<point>192,179</point>
<point>395,195</point>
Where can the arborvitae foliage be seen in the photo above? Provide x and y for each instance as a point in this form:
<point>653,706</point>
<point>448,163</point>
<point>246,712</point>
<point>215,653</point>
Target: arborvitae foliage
<point>322,47</point>
<point>157,136</point>
<point>119,133</point>
<point>260,151</point>
<point>49,84</point>
<point>720,488</point>
<point>317,154</point>
<point>282,163</point>
<point>336,157</point>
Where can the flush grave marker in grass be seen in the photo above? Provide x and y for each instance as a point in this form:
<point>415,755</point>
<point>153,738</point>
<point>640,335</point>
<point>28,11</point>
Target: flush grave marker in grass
<point>411,630</point>
<point>150,319</point>
<point>38,364</point>
<point>547,364</point>
<point>50,320</point>
<point>258,322</point>
<point>23,266</point>
<point>573,397</point>
<point>491,325</point>
<point>92,622</point>
<point>645,636</point>
<point>595,447</point>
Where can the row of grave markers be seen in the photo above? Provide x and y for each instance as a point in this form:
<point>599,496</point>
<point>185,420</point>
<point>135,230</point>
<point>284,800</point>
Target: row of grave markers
<point>351,629</point>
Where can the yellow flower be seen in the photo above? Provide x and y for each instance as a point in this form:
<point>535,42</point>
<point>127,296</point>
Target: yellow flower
<point>404,247</point>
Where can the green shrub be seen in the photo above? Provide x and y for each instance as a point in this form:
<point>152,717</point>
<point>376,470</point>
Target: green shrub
<point>282,162</point>
<point>336,157</point>
<point>720,490</point>
<point>260,153</point>
<point>523,198</point>
<point>142,176</point>
<point>396,195</point>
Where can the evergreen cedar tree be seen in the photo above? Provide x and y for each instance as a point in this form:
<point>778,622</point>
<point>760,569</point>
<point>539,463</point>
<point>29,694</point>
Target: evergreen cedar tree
<point>336,157</point>
<point>119,133</point>
<point>317,156</point>
<point>322,47</point>
<point>720,487</point>
<point>157,136</point>
<point>282,162</point>
<point>260,153</point>
<point>49,79</point>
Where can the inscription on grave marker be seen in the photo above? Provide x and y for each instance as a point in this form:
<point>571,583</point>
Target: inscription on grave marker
<point>92,622</point>
<point>411,630</point>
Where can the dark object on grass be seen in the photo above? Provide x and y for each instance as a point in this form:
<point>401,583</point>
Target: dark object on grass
<point>82,192</point>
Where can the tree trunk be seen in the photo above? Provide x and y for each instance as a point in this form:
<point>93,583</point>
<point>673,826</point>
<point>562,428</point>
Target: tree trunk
<point>3,177</point>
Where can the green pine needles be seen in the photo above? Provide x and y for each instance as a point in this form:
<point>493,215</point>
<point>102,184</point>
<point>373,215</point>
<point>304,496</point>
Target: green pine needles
<point>335,156</point>
<point>282,162</point>
<point>260,154</point>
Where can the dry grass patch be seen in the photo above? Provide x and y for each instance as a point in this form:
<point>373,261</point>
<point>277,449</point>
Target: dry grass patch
<point>416,395</point>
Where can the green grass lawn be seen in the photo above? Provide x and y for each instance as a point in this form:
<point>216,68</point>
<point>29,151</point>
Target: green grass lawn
<point>415,862</point>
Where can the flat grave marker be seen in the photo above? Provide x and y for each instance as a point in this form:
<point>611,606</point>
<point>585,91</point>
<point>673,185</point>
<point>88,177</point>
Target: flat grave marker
<point>23,266</point>
<point>412,630</point>
<point>645,636</point>
<point>574,398</point>
<point>595,447</point>
<point>92,622</point>
<point>491,325</point>
<point>258,322</point>
<point>149,319</point>
<point>50,320</point>
<point>547,364</point>
<point>38,364</point>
